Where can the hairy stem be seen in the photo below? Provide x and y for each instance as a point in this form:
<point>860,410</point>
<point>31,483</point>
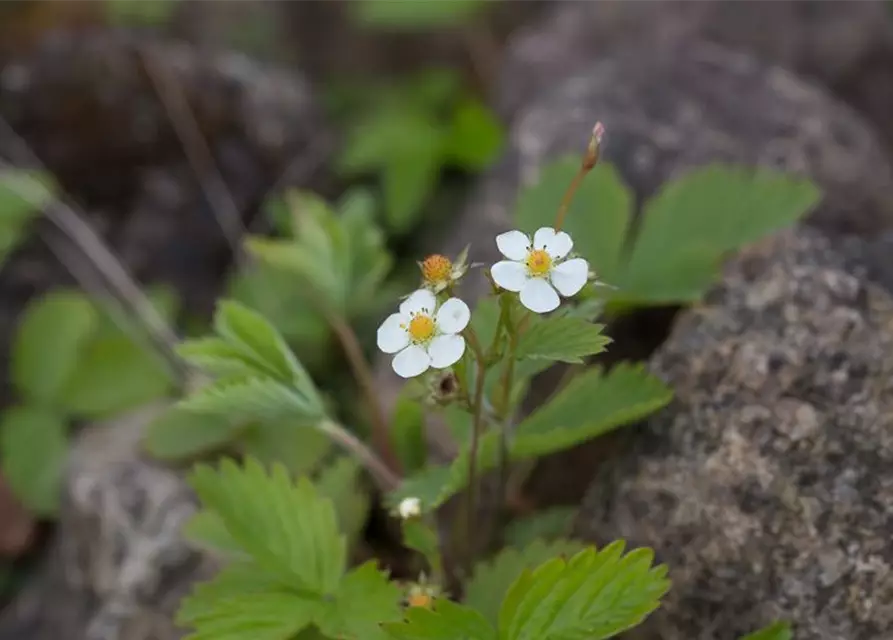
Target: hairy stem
<point>588,163</point>
<point>385,479</point>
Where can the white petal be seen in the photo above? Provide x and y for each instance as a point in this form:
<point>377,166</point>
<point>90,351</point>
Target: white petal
<point>453,316</point>
<point>509,275</point>
<point>559,245</point>
<point>446,350</point>
<point>391,336</point>
<point>418,301</point>
<point>411,362</point>
<point>569,277</point>
<point>539,296</point>
<point>513,244</point>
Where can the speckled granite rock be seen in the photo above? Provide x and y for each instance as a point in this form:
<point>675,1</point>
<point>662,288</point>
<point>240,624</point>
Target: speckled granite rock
<point>118,565</point>
<point>767,485</point>
<point>833,42</point>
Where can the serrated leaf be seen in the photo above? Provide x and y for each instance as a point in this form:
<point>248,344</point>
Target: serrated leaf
<point>475,136</point>
<point>546,525</point>
<point>205,529</point>
<point>599,216</point>
<point>689,226</point>
<point>33,449</point>
<point>780,630</point>
<point>178,435</point>
<point>364,600</point>
<point>250,332</point>
<point>251,399</point>
<point>407,432</point>
<point>299,446</point>
<point>450,621</point>
<point>565,339</point>
<point>340,483</point>
<point>399,14</point>
<point>593,595</point>
<point>592,404</point>
<point>244,603</point>
<point>491,579</point>
<point>292,532</point>
<point>52,335</point>
<point>435,485</point>
<point>115,374</point>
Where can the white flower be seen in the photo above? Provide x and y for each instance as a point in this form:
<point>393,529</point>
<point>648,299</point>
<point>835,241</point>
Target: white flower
<point>423,335</point>
<point>409,508</point>
<point>537,269</point>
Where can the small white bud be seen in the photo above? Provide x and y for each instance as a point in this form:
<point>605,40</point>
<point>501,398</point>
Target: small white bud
<point>409,508</point>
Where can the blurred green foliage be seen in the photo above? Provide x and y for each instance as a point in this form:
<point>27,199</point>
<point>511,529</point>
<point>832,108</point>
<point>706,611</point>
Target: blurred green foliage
<point>416,14</point>
<point>16,212</point>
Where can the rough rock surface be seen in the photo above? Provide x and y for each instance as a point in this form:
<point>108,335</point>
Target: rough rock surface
<point>834,43</point>
<point>767,485</point>
<point>119,564</point>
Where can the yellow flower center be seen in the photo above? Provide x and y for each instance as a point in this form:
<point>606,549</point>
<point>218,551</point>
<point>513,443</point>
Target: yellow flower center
<point>420,599</point>
<point>421,327</point>
<point>437,268</point>
<point>539,262</point>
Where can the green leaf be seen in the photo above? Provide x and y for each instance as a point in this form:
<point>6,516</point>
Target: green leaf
<point>251,399</point>
<point>258,340</point>
<point>51,338</point>
<point>475,136</point>
<point>206,530</point>
<point>299,446</point>
<point>451,621</point>
<point>780,630</point>
<point>292,532</point>
<point>565,339</point>
<point>33,449</point>
<point>598,218</point>
<point>592,404</point>
<point>594,595</point>
<point>435,485</point>
<point>340,483</point>
<point>178,435</point>
<point>399,14</point>
<point>491,580</point>
<point>216,357</point>
<point>115,374</point>
<point>549,524</point>
<point>689,226</point>
<point>244,603</point>
<point>409,177</point>
<point>364,600</point>
<point>417,535</point>
<point>408,432</point>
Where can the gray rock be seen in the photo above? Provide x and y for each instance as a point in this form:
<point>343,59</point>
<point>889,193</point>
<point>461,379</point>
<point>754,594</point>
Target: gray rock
<point>828,41</point>
<point>118,565</point>
<point>767,485</point>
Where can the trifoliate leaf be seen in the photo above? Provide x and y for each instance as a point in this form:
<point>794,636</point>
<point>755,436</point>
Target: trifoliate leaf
<point>475,136</point>
<point>547,525</point>
<point>689,226</point>
<point>365,600</point>
<point>299,446</point>
<point>205,529</point>
<point>244,603</point>
<point>435,485</point>
<point>115,374</point>
<point>251,333</point>
<point>491,579</point>
<point>777,631</point>
<point>593,595</point>
<point>598,218</point>
<point>592,404</point>
<point>33,447</point>
<point>564,339</point>
<point>340,483</point>
<point>399,14</point>
<point>408,432</point>
<point>177,434</point>
<point>449,621</point>
<point>288,528</point>
<point>251,399</point>
<point>52,335</point>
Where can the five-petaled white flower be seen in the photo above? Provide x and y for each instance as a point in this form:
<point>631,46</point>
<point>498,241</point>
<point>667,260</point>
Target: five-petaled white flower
<point>423,335</point>
<point>409,508</point>
<point>536,269</point>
